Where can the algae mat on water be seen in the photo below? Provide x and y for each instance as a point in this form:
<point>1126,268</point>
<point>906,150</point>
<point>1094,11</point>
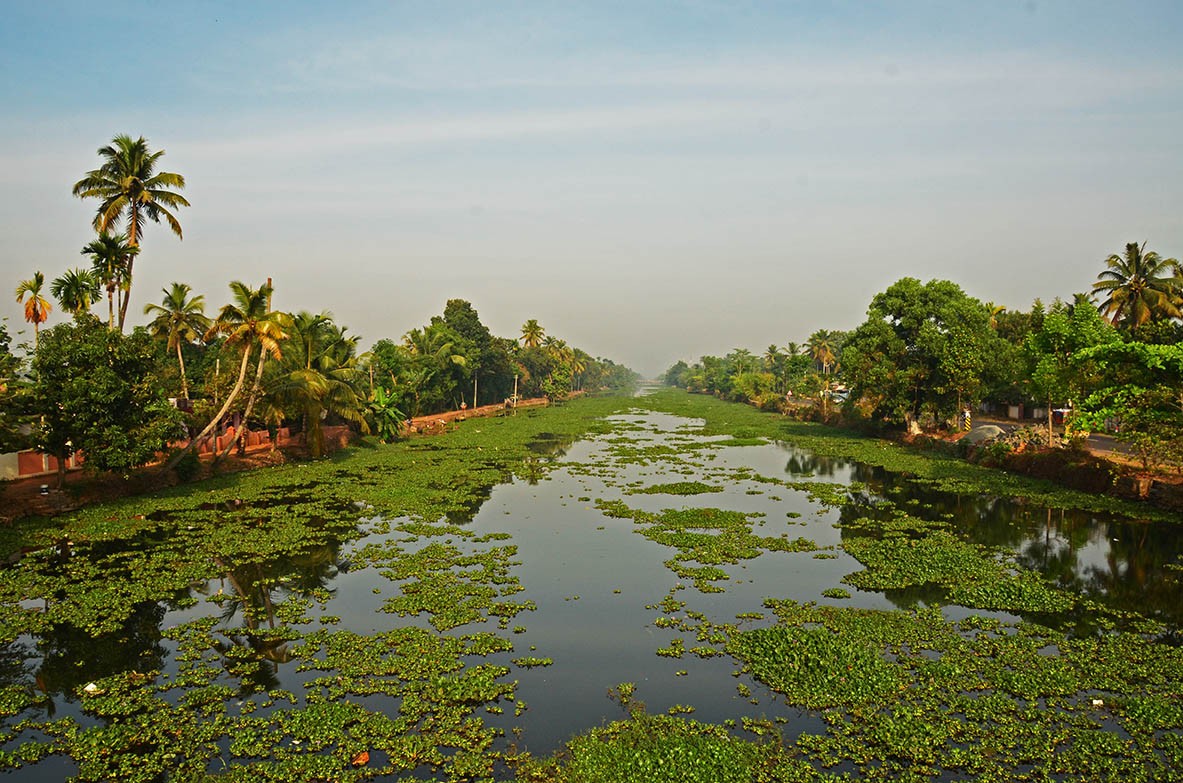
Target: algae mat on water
<point>206,633</point>
<point>184,635</point>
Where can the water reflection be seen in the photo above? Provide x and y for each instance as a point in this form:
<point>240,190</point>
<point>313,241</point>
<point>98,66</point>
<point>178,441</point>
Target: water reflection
<point>1120,562</point>
<point>67,657</point>
<point>595,581</point>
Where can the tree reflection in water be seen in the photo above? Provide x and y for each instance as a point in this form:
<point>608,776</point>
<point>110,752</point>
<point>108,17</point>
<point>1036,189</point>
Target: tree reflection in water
<point>1122,563</point>
<point>71,657</point>
<point>253,651</point>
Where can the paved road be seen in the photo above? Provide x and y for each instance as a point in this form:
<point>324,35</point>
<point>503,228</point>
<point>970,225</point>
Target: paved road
<point>1098,443</point>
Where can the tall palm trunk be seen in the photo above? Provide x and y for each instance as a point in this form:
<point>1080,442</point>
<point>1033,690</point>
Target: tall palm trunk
<point>240,436</point>
<point>181,362</point>
<point>230,398</point>
<point>133,225</point>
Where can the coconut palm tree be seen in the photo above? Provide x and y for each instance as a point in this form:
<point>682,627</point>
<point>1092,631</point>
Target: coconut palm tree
<point>37,308</point>
<point>129,188</point>
<point>434,355</point>
<point>995,311</point>
<point>110,256</point>
<point>821,349</point>
<point>247,321</point>
<point>1139,287</point>
<point>742,360</point>
<point>532,334</point>
<point>76,290</point>
<point>179,320</point>
<point>580,361</point>
<point>319,376</point>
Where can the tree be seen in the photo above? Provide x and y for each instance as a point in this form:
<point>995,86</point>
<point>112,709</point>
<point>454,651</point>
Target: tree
<point>1138,388</point>
<point>488,359</point>
<point>129,188</point>
<point>532,334</point>
<point>742,360</point>
<point>97,391</point>
<point>1139,287</point>
<point>822,349</point>
<point>110,259</point>
<point>678,374</point>
<point>179,320</point>
<point>920,353</point>
<point>11,437</point>
<point>76,290</point>
<point>438,365</point>
<point>386,419</point>
<point>37,309</point>
<point>1055,376</point>
<point>246,321</point>
<point>318,376</point>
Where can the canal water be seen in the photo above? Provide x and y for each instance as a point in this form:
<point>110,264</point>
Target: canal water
<point>598,585</point>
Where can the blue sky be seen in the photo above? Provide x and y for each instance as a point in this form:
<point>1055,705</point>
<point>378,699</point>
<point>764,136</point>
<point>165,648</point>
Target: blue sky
<point>651,181</point>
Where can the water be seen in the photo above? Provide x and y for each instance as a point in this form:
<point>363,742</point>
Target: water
<point>596,582</point>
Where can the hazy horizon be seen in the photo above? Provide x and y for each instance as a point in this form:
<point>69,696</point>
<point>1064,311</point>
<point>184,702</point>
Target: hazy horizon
<point>651,182</point>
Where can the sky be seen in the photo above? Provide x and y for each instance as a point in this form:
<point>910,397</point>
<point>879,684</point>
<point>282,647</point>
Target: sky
<point>651,181</point>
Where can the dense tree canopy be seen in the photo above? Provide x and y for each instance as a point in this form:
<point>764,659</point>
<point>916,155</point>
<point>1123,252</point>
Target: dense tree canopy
<point>921,352</point>
<point>10,418</point>
<point>1054,376</point>
<point>1136,389</point>
<point>96,391</point>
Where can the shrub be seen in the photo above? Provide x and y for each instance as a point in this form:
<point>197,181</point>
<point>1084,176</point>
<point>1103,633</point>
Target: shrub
<point>187,467</point>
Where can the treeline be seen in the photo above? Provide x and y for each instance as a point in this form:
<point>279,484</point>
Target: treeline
<point>1110,360</point>
<point>120,396</point>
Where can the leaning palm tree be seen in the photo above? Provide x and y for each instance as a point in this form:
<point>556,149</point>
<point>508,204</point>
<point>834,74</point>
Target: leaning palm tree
<point>110,260</point>
<point>129,188</point>
<point>179,320</point>
<point>37,308</point>
<point>532,334</point>
<point>76,290</point>
<point>247,321</point>
<point>1139,287</point>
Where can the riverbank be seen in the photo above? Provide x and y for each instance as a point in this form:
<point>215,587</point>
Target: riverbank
<point>38,495</point>
<point>937,461</point>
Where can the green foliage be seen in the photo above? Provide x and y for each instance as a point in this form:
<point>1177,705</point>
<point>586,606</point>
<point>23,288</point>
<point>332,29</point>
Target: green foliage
<point>1055,375</point>
<point>921,353</point>
<point>11,437</point>
<point>1138,389</point>
<point>677,488</point>
<point>817,667</point>
<point>1140,287</point>
<point>663,749</point>
<point>97,391</point>
<point>705,539</point>
<point>317,377</point>
<point>385,419</point>
<point>188,466</point>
